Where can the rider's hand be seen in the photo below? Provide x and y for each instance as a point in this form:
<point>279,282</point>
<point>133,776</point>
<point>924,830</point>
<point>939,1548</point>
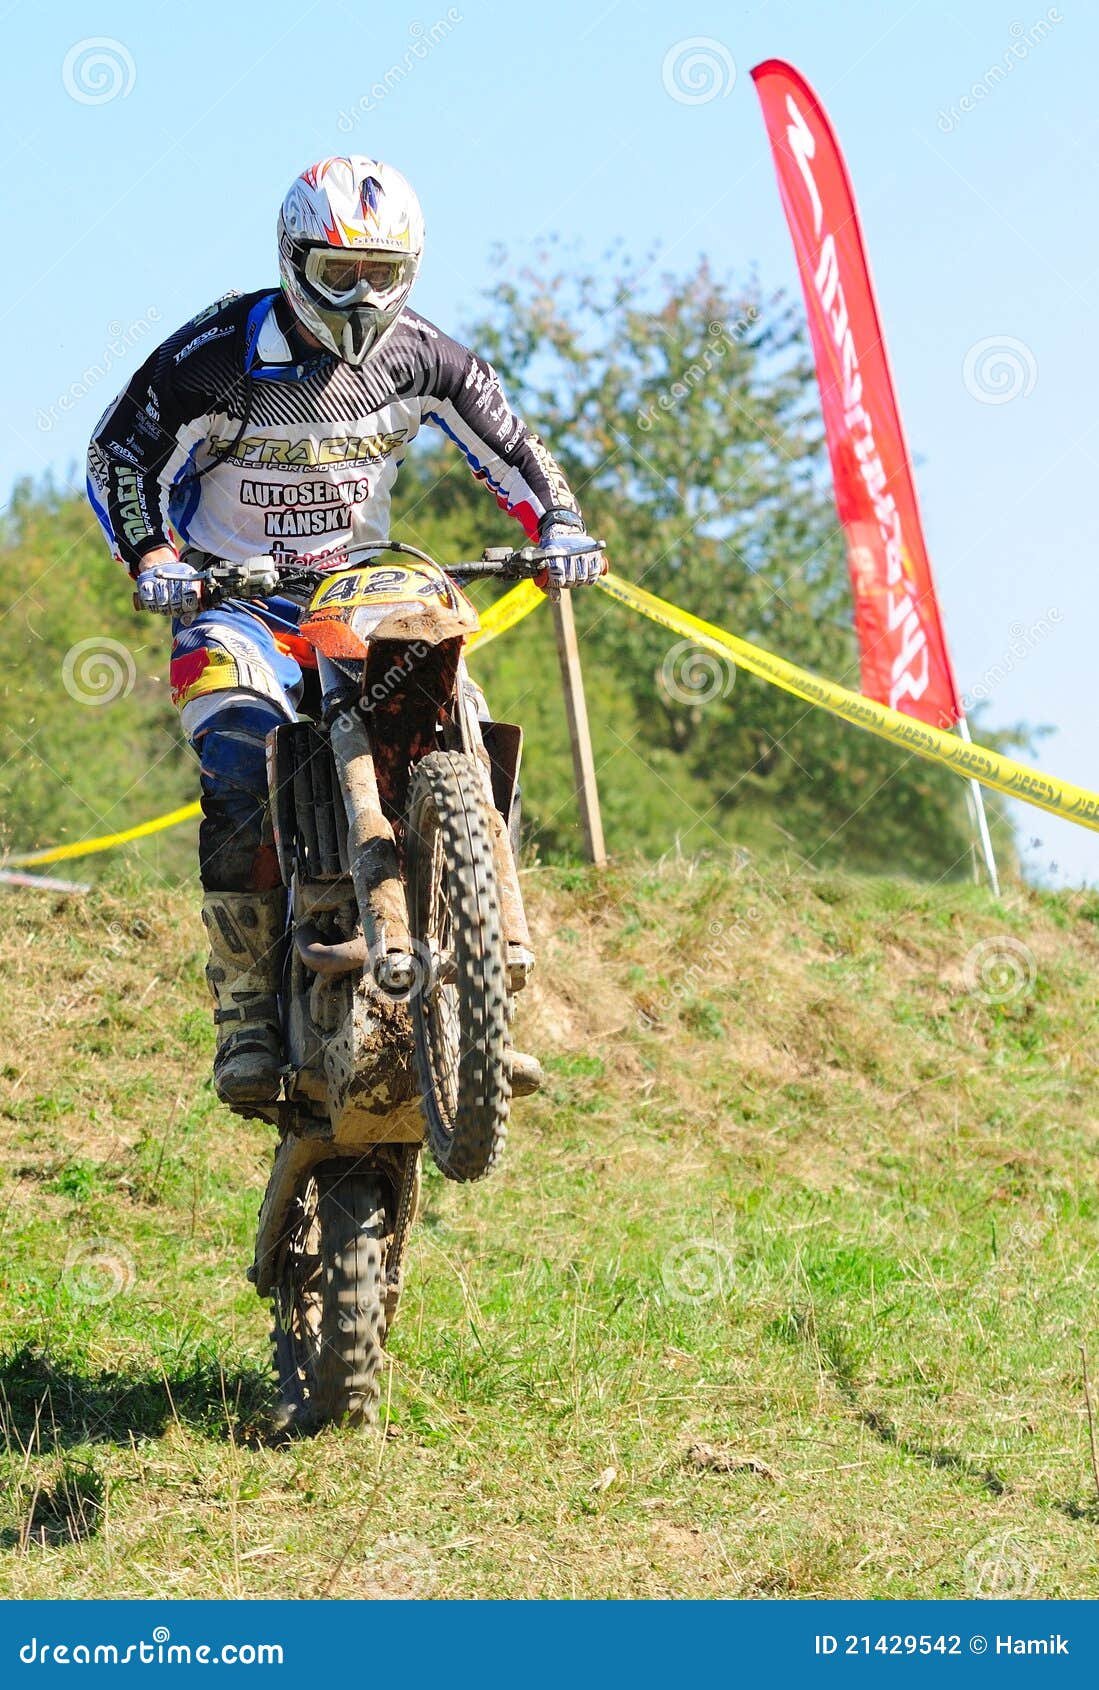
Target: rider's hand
<point>573,558</point>
<point>170,588</point>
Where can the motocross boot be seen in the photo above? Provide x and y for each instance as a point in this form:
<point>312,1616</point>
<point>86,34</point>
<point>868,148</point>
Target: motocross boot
<point>527,1073</point>
<point>245,930</point>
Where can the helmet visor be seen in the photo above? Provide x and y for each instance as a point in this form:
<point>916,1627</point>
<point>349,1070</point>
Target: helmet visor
<point>346,277</point>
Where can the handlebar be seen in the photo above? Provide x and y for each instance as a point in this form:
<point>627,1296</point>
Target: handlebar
<point>260,577</point>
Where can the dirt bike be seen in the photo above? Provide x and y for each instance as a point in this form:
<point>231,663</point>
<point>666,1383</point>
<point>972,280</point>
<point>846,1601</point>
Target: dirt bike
<point>395,817</point>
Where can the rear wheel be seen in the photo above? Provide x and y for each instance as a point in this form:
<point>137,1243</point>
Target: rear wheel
<point>460,1012</point>
<point>329,1331</point>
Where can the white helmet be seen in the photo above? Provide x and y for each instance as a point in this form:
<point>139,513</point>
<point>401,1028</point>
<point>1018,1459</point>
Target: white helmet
<point>351,236</point>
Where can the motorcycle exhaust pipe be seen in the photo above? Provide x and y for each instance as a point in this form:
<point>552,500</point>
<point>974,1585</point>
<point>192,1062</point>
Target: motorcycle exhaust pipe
<point>323,957</point>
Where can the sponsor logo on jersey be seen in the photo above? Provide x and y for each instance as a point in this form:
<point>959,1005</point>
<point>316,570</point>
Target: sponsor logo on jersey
<point>135,525</point>
<point>490,399</point>
<point>201,340</point>
<point>326,557</point>
<point>559,488</point>
<point>209,311</point>
<point>274,495</point>
<point>334,451</point>
<point>296,523</point>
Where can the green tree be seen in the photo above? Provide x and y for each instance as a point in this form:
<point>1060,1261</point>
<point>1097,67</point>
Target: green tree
<point>689,423</point>
<point>90,739</point>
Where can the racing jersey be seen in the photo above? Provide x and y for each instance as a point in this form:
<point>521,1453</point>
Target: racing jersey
<point>242,440</point>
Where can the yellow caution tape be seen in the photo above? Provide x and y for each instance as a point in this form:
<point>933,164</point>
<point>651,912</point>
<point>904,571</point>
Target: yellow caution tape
<point>973,761</point>
<point>506,612</point>
<point>84,847</point>
<point>937,746</point>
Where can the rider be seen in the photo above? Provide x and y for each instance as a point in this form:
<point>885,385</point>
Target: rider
<point>275,422</point>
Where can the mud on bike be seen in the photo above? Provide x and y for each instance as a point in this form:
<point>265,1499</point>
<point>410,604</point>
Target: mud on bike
<point>395,819</point>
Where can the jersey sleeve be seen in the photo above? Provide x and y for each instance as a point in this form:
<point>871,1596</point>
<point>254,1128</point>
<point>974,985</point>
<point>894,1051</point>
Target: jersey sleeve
<point>465,400</point>
<point>143,441</point>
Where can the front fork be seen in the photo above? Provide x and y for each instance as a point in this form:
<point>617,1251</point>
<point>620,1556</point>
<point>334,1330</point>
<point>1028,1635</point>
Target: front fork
<point>375,868</point>
<point>372,856</point>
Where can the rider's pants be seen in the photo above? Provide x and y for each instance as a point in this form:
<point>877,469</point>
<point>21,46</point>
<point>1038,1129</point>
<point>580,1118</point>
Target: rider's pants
<point>237,673</point>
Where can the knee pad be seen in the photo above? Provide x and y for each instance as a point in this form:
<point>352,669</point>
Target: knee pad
<point>231,744</point>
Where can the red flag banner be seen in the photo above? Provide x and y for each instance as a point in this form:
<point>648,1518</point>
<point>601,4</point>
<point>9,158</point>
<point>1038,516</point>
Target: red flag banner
<point>905,663</point>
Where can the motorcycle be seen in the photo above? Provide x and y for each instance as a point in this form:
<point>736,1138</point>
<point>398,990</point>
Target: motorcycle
<point>395,813</point>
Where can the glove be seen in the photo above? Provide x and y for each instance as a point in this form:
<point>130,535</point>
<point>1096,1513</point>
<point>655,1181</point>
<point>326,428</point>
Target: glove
<point>170,589</point>
<point>578,561</point>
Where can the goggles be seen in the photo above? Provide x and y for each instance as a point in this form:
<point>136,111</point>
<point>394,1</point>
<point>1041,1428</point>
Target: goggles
<point>345,277</point>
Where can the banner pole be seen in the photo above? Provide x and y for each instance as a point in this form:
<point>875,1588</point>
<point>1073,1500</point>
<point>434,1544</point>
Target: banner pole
<point>980,816</point>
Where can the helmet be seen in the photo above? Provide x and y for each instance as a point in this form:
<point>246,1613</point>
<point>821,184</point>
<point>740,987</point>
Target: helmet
<point>351,236</point>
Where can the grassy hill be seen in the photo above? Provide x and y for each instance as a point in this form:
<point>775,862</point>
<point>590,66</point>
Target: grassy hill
<point>780,1291</point>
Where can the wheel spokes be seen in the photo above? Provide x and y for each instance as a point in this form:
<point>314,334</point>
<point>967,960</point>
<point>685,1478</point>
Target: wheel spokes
<point>300,1310</point>
<point>441,1008</point>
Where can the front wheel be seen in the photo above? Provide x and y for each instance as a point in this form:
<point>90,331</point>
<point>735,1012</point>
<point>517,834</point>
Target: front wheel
<point>460,1012</point>
<point>329,1331</point>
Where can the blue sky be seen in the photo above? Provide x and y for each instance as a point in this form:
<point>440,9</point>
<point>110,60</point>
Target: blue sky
<point>127,214</point>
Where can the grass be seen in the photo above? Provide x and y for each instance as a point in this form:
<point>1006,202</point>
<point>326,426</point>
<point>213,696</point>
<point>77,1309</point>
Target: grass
<point>780,1292</point>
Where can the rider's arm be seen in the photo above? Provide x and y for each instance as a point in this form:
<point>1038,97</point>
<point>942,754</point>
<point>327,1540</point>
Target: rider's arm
<point>464,399</point>
<point>142,443</point>
<point>127,458</point>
